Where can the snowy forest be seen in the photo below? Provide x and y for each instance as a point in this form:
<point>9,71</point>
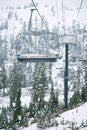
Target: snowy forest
<point>32,94</point>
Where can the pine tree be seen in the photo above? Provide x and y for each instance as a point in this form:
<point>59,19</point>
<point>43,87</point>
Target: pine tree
<point>39,87</point>
<point>53,100</point>
<point>17,114</point>
<point>75,99</point>
<point>56,98</point>
<point>15,82</point>
<point>3,118</point>
<point>85,78</point>
<point>3,79</point>
<point>83,94</point>
<point>84,88</point>
<point>15,94</point>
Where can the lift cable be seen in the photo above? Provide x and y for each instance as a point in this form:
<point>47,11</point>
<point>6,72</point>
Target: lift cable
<point>39,14</point>
<point>79,9</point>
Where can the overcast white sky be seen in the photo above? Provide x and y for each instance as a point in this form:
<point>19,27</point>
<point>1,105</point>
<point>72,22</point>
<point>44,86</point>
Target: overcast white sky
<point>71,7</point>
<point>70,3</point>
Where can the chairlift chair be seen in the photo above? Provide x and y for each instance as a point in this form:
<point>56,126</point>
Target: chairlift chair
<point>27,57</point>
<point>83,59</point>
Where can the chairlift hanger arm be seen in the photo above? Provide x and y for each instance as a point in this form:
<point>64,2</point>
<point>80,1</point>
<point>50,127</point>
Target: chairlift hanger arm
<point>35,33</point>
<point>38,33</point>
<point>39,14</point>
<point>31,18</point>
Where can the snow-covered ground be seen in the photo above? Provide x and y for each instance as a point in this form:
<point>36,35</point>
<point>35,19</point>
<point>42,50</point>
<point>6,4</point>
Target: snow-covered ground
<point>76,117</point>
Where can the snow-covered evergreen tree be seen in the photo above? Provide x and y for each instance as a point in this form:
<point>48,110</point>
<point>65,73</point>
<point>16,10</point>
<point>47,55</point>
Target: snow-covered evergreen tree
<point>84,88</point>
<point>3,79</point>
<point>39,88</point>
<point>53,100</point>
<point>17,112</point>
<point>15,82</point>
<point>3,118</point>
<point>86,81</point>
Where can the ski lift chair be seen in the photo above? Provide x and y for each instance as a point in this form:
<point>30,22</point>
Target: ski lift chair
<point>31,57</point>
